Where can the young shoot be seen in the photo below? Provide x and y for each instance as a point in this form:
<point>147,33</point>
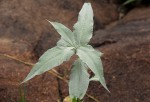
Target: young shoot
<point>71,43</point>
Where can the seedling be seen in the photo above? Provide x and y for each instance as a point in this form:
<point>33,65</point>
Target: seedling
<point>75,42</point>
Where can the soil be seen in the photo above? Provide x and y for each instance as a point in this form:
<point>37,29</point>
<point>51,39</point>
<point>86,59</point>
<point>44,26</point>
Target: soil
<point>25,35</point>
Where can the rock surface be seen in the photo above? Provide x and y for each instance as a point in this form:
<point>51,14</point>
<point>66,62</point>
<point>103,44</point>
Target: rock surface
<point>42,88</point>
<point>126,60</point>
<point>25,34</point>
<point>126,48</point>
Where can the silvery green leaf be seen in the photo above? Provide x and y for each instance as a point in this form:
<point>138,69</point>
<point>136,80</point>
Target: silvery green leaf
<point>66,34</point>
<point>51,58</point>
<point>79,80</point>
<point>83,29</point>
<point>62,42</point>
<point>92,58</point>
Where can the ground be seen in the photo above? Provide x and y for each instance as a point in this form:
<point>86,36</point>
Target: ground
<point>26,35</point>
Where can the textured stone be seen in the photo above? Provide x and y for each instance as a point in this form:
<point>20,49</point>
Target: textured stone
<point>26,35</point>
<point>126,48</point>
<point>43,88</point>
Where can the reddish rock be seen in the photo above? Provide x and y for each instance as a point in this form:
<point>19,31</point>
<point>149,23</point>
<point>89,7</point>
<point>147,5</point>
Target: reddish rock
<point>25,34</point>
<point>40,89</point>
<point>126,48</point>
<point>141,13</point>
<point>126,60</point>
<point>104,12</point>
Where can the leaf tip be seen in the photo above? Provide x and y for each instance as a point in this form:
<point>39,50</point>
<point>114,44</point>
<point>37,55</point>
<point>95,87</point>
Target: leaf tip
<point>106,88</point>
<point>87,4</point>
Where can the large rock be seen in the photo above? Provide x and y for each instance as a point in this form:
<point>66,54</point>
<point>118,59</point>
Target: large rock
<point>43,88</point>
<point>104,12</point>
<point>141,13</point>
<point>25,34</point>
<point>126,48</point>
<point>24,23</point>
<point>126,60</point>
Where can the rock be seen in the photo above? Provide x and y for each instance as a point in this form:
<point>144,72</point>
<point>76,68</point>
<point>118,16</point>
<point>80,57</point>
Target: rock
<point>104,13</point>
<point>25,22</point>
<point>25,34</point>
<point>40,89</point>
<point>141,13</point>
<point>122,32</point>
<point>126,60</point>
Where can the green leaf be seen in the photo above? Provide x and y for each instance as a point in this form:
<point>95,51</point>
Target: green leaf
<point>92,58</point>
<point>66,34</point>
<point>76,100</point>
<point>128,2</point>
<point>51,58</point>
<point>83,29</point>
<point>79,80</point>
